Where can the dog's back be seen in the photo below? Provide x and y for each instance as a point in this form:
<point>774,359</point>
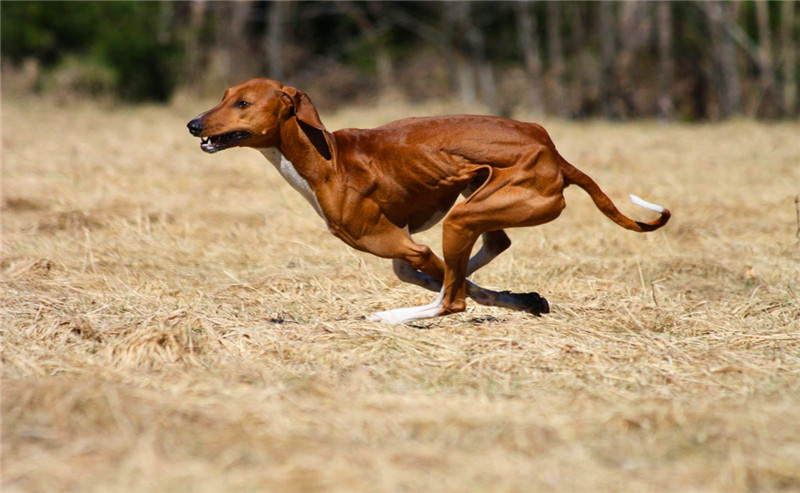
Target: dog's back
<point>475,139</point>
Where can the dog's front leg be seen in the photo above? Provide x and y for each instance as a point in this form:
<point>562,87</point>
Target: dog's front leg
<point>525,302</point>
<point>406,273</point>
<point>494,243</point>
<point>410,314</point>
<point>413,263</point>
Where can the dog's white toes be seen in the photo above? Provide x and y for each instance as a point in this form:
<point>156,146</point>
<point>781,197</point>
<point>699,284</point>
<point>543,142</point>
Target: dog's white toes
<point>403,315</point>
<point>385,317</point>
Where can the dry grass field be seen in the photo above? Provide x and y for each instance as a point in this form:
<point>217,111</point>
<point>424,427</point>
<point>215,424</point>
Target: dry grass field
<point>176,321</point>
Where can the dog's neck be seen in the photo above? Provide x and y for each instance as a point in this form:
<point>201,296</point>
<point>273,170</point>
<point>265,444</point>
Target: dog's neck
<point>298,149</point>
<point>299,163</point>
<point>288,170</point>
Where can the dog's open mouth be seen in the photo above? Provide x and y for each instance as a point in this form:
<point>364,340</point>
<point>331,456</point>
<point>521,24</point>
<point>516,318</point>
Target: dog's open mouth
<point>219,142</point>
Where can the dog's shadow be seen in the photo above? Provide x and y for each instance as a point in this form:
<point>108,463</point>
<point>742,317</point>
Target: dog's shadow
<point>474,320</point>
<point>433,323</point>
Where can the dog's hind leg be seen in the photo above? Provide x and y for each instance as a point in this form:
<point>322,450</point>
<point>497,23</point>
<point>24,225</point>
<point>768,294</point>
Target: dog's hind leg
<point>494,243</point>
<point>417,264</point>
<point>526,302</point>
<point>512,203</point>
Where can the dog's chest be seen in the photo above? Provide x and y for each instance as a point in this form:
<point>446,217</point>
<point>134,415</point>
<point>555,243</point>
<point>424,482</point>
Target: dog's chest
<point>290,174</point>
<point>429,222</point>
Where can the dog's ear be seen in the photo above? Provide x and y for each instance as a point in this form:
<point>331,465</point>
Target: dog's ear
<point>308,119</point>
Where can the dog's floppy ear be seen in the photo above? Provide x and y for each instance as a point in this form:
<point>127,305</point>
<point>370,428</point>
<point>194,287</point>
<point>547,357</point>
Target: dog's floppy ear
<point>308,119</point>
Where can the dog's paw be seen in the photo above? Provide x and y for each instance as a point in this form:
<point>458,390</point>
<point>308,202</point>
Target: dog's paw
<point>386,317</point>
<point>533,303</point>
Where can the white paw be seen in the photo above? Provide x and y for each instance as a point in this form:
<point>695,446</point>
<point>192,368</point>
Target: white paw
<point>403,315</point>
<point>385,317</point>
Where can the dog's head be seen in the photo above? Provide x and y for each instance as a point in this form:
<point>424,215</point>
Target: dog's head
<point>251,113</point>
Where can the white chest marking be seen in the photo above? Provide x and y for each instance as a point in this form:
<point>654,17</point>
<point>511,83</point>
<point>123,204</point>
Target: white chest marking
<point>290,174</point>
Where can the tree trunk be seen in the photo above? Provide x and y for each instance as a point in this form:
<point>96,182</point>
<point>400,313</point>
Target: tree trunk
<point>583,91</point>
<point>559,102</point>
<point>666,64</point>
<point>529,45</point>
<point>194,60</point>
<point>477,48</point>
<point>471,62</point>
<point>372,32</point>
<point>726,74</point>
<point>607,55</point>
<point>231,57</point>
<point>278,15</point>
<point>769,106</point>
<point>636,27</point>
<point>789,58</point>
<point>461,71</point>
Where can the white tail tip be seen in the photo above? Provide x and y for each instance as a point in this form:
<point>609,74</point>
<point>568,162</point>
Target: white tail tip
<point>647,205</point>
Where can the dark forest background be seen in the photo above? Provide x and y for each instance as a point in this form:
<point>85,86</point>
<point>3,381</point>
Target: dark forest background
<point>616,60</point>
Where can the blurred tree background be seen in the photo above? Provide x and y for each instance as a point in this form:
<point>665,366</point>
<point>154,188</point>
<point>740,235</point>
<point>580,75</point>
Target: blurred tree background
<point>705,60</point>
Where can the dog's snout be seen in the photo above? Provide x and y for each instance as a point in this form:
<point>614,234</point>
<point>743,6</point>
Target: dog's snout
<point>195,126</point>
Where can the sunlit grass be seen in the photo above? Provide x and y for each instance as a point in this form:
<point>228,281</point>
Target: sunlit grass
<point>176,321</point>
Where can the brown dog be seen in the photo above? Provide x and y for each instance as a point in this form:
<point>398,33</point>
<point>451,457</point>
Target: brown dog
<point>376,187</point>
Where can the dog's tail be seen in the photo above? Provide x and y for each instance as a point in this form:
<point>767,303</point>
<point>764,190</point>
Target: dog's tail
<point>601,200</point>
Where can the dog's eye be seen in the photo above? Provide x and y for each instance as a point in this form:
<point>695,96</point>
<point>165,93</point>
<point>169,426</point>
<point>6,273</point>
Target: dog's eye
<point>242,104</point>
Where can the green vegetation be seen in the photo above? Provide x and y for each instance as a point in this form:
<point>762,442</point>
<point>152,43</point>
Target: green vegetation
<point>120,47</point>
<point>616,60</point>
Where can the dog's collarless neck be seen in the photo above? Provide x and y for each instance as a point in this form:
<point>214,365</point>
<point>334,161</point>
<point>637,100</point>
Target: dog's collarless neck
<point>289,172</point>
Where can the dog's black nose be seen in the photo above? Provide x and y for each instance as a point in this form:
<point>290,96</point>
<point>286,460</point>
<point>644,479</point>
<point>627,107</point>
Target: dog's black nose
<point>195,126</point>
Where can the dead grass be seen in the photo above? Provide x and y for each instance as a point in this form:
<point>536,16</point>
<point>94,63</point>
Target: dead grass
<point>174,321</point>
